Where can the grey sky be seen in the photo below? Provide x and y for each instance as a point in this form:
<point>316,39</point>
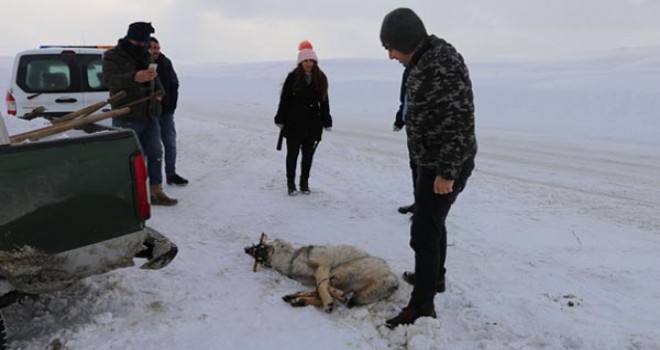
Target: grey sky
<point>259,30</point>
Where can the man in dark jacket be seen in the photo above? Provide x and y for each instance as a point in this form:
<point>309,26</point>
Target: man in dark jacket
<point>126,68</point>
<point>439,121</point>
<point>170,82</point>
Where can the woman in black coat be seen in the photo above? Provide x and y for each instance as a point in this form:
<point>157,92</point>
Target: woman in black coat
<point>303,113</point>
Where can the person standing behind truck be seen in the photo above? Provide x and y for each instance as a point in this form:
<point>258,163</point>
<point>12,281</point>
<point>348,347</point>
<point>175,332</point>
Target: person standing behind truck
<point>170,83</point>
<point>126,68</point>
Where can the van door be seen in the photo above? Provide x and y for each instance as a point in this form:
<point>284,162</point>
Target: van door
<point>49,81</point>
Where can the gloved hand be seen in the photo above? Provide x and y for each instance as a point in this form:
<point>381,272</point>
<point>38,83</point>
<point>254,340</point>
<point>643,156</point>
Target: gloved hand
<point>328,129</point>
<point>279,125</point>
<point>396,128</point>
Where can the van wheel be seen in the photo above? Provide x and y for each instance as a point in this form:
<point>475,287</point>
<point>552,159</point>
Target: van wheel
<point>3,334</point>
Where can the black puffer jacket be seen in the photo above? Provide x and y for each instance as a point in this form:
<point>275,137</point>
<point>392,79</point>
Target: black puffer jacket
<point>170,82</point>
<point>119,68</point>
<point>302,111</point>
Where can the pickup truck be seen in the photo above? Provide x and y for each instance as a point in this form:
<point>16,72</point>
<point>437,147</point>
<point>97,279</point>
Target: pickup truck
<point>71,208</point>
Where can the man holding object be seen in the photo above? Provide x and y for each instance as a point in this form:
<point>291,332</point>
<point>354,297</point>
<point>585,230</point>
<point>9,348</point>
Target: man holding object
<point>126,68</point>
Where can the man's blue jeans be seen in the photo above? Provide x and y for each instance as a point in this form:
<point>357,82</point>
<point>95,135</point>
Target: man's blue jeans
<point>148,132</point>
<point>168,136</point>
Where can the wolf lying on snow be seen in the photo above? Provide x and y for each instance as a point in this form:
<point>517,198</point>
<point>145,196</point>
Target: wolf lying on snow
<point>340,272</point>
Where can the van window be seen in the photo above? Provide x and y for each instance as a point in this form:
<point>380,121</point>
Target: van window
<point>60,73</point>
<point>94,74</point>
<point>47,75</point>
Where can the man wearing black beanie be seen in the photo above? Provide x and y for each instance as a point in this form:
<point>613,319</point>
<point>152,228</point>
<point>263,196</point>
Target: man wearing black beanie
<point>438,111</point>
<point>126,67</point>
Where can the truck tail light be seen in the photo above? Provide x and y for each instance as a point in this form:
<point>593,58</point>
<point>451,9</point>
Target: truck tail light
<point>11,103</point>
<point>140,185</point>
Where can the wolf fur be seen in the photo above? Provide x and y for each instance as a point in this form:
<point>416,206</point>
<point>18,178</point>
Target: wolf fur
<point>340,272</point>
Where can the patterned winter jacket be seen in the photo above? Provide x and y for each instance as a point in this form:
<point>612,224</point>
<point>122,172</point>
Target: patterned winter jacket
<point>119,68</point>
<point>440,117</point>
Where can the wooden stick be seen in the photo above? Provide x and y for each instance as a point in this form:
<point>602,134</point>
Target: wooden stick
<point>30,134</point>
<point>56,129</point>
<point>81,112</point>
<point>90,109</point>
<point>152,96</point>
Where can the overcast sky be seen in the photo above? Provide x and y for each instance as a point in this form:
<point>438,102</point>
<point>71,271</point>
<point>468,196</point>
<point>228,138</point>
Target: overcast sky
<point>194,31</point>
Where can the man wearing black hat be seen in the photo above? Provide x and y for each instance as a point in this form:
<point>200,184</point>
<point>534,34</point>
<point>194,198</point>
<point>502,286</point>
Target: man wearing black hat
<point>126,68</point>
<point>438,110</point>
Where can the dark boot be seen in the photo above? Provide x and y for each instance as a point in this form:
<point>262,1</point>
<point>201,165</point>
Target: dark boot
<point>291,189</point>
<point>407,209</point>
<point>304,186</point>
<point>408,316</point>
<point>176,180</point>
<point>409,277</point>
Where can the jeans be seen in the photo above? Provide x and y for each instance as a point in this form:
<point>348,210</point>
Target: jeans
<point>148,133</point>
<point>168,136</point>
<point>428,234</point>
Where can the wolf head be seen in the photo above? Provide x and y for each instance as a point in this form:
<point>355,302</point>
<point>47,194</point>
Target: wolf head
<point>261,252</point>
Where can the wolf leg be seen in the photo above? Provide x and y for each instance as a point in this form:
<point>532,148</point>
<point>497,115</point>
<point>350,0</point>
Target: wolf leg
<point>304,298</point>
<point>322,287</point>
<point>339,294</point>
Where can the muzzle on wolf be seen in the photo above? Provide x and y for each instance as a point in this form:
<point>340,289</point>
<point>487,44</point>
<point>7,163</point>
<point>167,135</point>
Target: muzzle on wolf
<point>261,253</point>
<point>342,273</point>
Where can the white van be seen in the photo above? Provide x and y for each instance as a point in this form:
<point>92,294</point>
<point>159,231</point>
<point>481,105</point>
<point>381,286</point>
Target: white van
<point>61,79</point>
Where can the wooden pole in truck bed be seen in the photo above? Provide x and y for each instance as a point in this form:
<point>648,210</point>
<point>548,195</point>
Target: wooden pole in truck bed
<point>90,109</point>
<point>62,127</point>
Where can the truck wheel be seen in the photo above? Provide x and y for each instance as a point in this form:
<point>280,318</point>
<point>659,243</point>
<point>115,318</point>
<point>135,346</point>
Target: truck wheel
<point>3,334</point>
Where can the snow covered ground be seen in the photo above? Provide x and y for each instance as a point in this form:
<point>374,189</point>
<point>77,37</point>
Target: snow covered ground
<point>553,245</point>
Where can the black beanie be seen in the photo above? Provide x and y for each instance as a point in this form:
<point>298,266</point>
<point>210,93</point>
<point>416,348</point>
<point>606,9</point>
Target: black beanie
<point>402,30</point>
<point>140,31</point>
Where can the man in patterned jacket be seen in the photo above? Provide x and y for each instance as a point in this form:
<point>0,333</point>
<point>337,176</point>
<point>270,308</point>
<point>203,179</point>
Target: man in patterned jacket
<point>439,121</point>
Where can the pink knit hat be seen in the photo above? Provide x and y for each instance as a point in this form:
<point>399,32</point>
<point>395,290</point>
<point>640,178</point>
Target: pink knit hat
<point>306,52</point>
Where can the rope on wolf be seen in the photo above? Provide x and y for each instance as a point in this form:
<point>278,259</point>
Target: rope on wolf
<point>329,279</point>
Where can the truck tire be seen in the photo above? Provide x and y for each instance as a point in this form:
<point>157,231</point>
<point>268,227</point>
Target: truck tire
<point>3,334</point>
